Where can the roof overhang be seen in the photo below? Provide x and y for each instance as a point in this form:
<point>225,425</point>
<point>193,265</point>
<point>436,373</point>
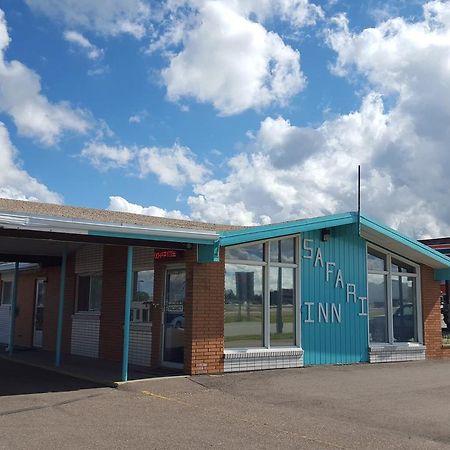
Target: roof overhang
<point>23,236</point>
<point>263,232</point>
<point>81,227</point>
<point>405,246</point>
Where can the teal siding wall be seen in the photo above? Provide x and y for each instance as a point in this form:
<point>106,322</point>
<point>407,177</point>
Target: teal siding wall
<point>331,342</point>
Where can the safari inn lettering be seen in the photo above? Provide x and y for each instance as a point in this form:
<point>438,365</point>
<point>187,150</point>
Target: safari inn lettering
<point>329,312</point>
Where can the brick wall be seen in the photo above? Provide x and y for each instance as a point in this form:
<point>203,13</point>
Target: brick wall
<point>113,302</point>
<point>431,312</point>
<point>89,259</point>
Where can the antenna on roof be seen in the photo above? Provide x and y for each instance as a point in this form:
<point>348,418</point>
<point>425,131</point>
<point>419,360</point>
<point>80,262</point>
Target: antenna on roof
<point>359,189</point>
<point>359,194</point>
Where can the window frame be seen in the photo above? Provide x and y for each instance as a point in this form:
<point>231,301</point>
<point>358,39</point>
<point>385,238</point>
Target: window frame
<point>266,265</point>
<point>90,311</point>
<point>389,273</point>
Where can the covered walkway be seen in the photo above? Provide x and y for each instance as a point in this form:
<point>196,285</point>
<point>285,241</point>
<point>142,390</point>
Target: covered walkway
<point>105,373</point>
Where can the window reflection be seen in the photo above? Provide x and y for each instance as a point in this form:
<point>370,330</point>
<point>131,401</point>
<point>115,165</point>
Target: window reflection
<point>377,308</point>
<point>399,266</point>
<point>142,296</point>
<point>243,306</point>
<point>282,251</point>
<point>248,253</point>
<point>376,260</point>
<point>403,309</point>
<point>282,306</point>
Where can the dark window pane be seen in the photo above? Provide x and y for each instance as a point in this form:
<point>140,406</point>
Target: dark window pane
<point>375,260</point>
<point>84,283</point>
<point>248,253</point>
<point>243,306</point>
<point>282,251</point>
<point>7,292</point>
<point>377,308</point>
<point>95,293</point>
<point>404,309</point>
<point>282,306</point>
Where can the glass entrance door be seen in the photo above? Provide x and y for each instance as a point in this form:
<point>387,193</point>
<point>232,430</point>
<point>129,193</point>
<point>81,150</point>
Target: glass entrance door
<point>173,317</point>
<point>38,321</point>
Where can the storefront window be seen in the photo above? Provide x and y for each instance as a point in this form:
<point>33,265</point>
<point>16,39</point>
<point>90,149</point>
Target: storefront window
<point>404,309</point>
<point>282,306</point>
<point>393,298</point>
<point>254,316</point>
<point>243,306</point>
<point>142,296</point>
<point>378,322</point>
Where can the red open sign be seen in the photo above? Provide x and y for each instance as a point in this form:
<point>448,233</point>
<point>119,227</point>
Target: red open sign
<point>164,254</point>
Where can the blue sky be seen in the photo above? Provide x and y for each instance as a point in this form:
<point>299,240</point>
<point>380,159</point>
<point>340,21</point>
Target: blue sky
<point>228,111</point>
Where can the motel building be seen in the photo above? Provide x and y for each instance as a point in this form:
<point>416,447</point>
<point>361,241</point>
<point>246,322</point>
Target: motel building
<point>163,294</point>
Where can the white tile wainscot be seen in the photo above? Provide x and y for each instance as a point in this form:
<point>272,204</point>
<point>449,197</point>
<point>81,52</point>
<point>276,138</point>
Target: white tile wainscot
<point>396,353</point>
<point>85,334</point>
<point>140,344</point>
<point>260,359</point>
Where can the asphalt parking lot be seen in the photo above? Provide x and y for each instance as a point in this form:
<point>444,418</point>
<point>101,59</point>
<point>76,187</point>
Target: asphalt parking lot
<point>402,405</point>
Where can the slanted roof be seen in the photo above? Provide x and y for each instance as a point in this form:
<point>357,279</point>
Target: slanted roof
<point>369,229</point>
<point>48,210</point>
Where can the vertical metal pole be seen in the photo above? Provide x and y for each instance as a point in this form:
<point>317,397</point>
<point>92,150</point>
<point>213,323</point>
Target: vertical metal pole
<point>12,328</point>
<point>62,285</point>
<point>126,323</point>
<point>359,189</point>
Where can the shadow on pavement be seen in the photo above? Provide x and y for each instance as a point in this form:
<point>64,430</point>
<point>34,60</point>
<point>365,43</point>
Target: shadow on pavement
<point>18,379</point>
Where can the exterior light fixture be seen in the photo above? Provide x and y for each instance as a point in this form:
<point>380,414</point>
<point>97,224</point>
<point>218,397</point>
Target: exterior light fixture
<point>326,234</point>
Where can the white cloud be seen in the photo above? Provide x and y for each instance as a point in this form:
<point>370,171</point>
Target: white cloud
<point>138,117</point>
<point>104,157</point>
<point>262,185</point>
<point>15,182</point>
<point>106,17</point>
<point>117,203</point>
<point>229,60</point>
<point>174,166</point>
<point>290,172</point>
<point>74,37</point>
<point>21,98</point>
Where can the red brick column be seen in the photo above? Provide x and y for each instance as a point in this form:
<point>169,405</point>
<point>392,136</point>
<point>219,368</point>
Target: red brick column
<point>431,311</point>
<point>204,310</point>
<point>113,302</point>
